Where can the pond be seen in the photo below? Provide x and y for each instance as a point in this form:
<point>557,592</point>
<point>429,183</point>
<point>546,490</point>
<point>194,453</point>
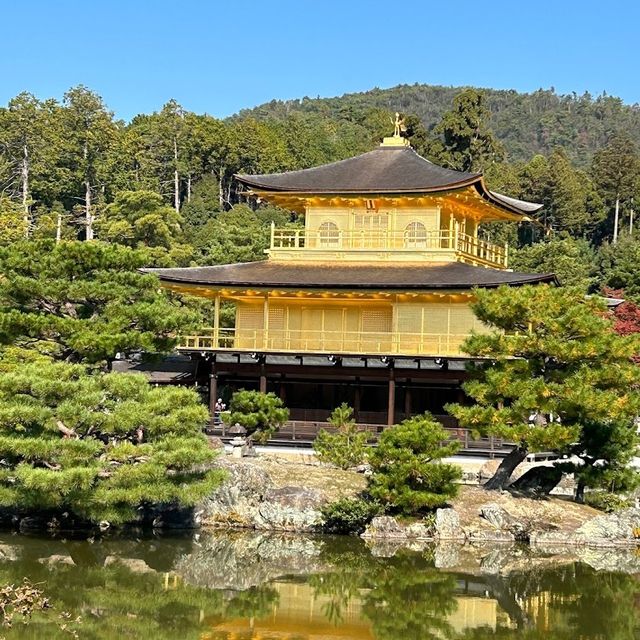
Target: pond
<point>241,586</point>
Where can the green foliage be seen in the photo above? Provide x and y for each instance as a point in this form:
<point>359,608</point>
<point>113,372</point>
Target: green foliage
<point>349,515</point>
<point>347,446</point>
<point>100,446</point>
<point>619,265</point>
<point>85,301</point>
<point>13,226</point>
<point>553,354</point>
<point>468,144</point>
<point>573,261</point>
<point>261,414</point>
<point>606,501</point>
<point>139,217</point>
<point>408,475</point>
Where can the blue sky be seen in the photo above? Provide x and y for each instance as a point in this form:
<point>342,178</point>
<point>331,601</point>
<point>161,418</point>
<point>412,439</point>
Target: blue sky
<point>218,57</point>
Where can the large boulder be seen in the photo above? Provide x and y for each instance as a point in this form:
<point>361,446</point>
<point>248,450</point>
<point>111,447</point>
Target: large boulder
<point>235,501</point>
<point>448,525</point>
<point>290,509</point>
<point>504,522</point>
<point>621,527</point>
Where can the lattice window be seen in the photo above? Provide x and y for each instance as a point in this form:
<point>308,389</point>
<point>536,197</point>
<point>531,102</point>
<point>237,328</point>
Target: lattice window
<point>376,320</point>
<point>409,319</point>
<point>371,221</point>
<point>250,317</point>
<point>415,235</point>
<point>276,318</point>
<point>328,234</point>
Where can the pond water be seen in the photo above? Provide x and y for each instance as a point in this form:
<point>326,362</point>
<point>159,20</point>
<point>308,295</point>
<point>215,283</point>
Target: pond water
<point>255,586</point>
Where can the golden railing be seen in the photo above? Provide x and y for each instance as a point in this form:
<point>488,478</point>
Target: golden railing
<point>330,342</point>
<point>432,241</point>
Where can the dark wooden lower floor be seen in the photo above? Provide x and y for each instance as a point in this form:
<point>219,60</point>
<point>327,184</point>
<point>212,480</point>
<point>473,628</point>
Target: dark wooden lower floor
<point>298,433</point>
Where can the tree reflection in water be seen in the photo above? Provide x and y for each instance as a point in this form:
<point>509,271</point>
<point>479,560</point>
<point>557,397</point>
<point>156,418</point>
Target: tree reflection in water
<point>127,588</point>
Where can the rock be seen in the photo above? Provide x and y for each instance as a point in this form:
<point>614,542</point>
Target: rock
<point>622,527</point>
<point>133,564</point>
<point>488,469</point>
<point>388,528</point>
<point>540,480</point>
<point>291,509</point>
<point>56,559</point>
<point>215,443</point>
<point>235,501</point>
<point>482,536</point>
<point>504,522</point>
<point>448,525</point>
<point>363,468</point>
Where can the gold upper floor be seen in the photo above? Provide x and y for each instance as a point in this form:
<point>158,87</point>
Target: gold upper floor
<point>409,229</point>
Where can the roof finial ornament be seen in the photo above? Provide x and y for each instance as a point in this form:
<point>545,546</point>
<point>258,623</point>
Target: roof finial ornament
<point>398,125</point>
<point>396,140</point>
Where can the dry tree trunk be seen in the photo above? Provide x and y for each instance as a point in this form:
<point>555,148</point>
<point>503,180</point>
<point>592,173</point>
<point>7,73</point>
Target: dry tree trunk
<point>503,473</point>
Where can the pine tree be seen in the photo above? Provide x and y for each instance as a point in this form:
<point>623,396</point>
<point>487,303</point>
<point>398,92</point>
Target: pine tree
<point>101,446</point>
<point>551,374</point>
<point>261,414</point>
<point>468,142</point>
<point>82,301</point>
<point>408,474</point>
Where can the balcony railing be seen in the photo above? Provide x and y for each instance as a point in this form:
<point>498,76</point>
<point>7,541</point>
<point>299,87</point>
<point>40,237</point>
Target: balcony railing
<point>467,246</point>
<point>330,342</point>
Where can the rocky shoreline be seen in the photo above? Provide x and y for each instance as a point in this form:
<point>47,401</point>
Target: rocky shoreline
<point>250,498</point>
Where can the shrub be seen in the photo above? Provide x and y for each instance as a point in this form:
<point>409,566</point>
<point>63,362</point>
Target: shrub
<point>349,515</point>
<point>407,475</point>
<point>261,414</point>
<point>606,501</point>
<point>345,448</point>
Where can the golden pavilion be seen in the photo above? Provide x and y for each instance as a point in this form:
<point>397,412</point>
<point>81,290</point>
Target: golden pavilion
<point>368,303</point>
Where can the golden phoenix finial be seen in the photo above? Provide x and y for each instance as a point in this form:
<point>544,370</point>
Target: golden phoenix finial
<point>398,125</point>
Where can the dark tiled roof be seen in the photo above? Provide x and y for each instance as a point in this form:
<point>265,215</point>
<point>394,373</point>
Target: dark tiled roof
<point>383,170</point>
<point>268,273</point>
<point>172,369</point>
<point>398,169</point>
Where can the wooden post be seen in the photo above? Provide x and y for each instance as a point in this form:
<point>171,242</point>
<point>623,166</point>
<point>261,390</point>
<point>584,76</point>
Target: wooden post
<point>407,400</point>
<point>263,378</point>
<point>216,321</point>
<point>213,390</point>
<point>356,400</point>
<point>392,398</point>
<point>265,321</point>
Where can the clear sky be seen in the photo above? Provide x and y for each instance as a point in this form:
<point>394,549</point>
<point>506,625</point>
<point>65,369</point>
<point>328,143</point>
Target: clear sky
<point>218,57</point>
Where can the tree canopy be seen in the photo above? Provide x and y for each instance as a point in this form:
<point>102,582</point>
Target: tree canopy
<point>85,301</point>
<point>554,375</point>
<point>102,446</point>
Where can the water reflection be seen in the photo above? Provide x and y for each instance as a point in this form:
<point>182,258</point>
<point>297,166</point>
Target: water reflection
<point>252,586</point>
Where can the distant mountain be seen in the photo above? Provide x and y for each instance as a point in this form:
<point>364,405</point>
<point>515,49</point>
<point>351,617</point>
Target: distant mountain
<point>526,123</point>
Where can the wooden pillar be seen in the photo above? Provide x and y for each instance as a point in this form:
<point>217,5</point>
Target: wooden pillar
<point>265,321</point>
<point>283,390</point>
<point>216,321</point>
<point>263,378</point>
<point>392,398</point>
<point>407,400</point>
<point>356,400</point>
<point>213,389</point>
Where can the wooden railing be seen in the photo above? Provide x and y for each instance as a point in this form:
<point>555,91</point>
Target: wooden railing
<point>330,342</point>
<point>442,241</point>
<point>303,433</point>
